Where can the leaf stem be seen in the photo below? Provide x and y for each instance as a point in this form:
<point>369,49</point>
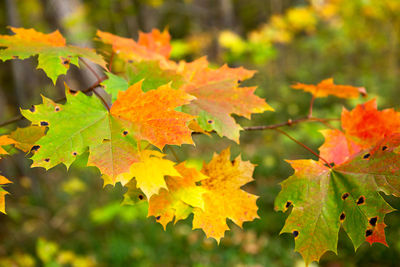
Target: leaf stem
<point>304,146</point>
<point>90,69</point>
<point>311,106</point>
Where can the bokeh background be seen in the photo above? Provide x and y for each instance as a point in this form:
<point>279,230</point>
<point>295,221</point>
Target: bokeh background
<point>67,218</point>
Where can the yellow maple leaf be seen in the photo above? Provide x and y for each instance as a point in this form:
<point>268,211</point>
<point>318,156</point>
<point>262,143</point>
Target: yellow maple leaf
<point>224,199</point>
<point>3,193</point>
<point>149,172</point>
<point>182,195</point>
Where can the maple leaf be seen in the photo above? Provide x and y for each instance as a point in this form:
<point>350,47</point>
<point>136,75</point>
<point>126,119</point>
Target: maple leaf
<point>150,170</point>
<point>223,198</point>
<point>25,138</point>
<point>55,56</point>
<point>218,96</point>
<point>153,114</point>
<point>80,123</point>
<point>337,147</point>
<point>327,87</point>
<point>150,46</point>
<point>347,195</point>
<point>3,193</point>
<point>4,141</point>
<point>367,125</point>
<point>116,153</point>
<point>149,72</point>
<point>83,122</point>
<point>181,197</point>
<point>364,126</point>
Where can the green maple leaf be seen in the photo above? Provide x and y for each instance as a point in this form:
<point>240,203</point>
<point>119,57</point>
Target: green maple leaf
<point>323,199</point>
<point>73,127</point>
<point>55,56</point>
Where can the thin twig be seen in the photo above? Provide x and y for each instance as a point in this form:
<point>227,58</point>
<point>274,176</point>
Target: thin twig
<point>304,146</point>
<point>111,61</point>
<point>311,106</point>
<point>102,99</point>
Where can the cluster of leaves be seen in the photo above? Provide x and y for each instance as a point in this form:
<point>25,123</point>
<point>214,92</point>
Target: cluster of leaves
<point>342,188</point>
<point>156,102</point>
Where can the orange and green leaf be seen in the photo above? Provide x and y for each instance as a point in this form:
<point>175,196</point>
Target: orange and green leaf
<point>218,96</point>
<point>55,56</point>
<point>153,114</point>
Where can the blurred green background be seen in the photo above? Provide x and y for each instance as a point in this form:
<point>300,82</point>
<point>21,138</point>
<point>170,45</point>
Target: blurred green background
<point>67,218</point>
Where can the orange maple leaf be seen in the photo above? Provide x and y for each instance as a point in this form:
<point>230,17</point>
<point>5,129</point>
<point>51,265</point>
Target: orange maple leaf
<point>327,87</point>
<point>224,199</point>
<point>367,125</point>
<point>153,116</point>
<point>150,46</point>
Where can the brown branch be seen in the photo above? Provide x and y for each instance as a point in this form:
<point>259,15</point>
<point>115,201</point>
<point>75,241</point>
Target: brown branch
<point>304,146</point>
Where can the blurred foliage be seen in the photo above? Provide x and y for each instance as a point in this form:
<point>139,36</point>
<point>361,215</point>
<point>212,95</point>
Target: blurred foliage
<point>67,218</point>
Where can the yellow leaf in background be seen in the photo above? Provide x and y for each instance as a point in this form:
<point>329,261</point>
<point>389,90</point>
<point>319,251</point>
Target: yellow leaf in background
<point>224,198</point>
<point>150,171</point>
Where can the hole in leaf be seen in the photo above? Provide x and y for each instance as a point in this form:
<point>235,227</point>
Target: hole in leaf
<point>342,217</point>
<point>368,232</point>
<point>72,92</point>
<point>373,221</point>
<point>233,162</point>
<point>345,195</point>
<point>295,233</point>
<point>57,109</point>
<point>35,148</point>
<point>32,109</point>
<point>366,156</point>
<point>74,153</point>
<point>288,204</point>
<point>47,160</point>
<point>158,217</point>
<point>209,121</point>
<point>125,133</point>
<point>239,81</point>
<point>384,148</point>
<point>44,123</point>
<point>141,197</point>
<point>360,200</point>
